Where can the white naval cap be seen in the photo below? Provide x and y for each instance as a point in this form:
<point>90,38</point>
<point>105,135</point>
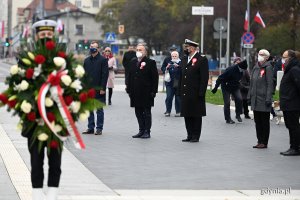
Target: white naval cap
<point>47,24</point>
<point>190,42</point>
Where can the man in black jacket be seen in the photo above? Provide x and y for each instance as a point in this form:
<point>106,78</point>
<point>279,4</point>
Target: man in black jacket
<point>142,88</point>
<point>230,85</point>
<point>96,68</point>
<point>128,56</point>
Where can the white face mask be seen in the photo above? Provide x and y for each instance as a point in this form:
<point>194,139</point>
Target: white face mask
<point>139,54</point>
<point>260,58</point>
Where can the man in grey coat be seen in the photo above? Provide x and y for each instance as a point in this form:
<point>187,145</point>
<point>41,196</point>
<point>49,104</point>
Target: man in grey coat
<point>260,97</point>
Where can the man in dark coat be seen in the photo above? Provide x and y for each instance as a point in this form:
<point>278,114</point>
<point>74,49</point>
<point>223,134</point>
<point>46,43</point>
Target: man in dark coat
<point>96,68</point>
<point>128,56</point>
<point>230,84</point>
<point>142,88</point>
<point>193,88</point>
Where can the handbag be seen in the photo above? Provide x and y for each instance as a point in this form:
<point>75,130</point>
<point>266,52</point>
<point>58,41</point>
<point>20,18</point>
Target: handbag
<point>167,77</point>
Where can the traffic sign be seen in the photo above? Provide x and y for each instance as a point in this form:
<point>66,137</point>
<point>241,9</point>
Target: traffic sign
<point>110,37</point>
<point>220,24</point>
<point>248,46</point>
<point>248,38</point>
<point>202,10</point>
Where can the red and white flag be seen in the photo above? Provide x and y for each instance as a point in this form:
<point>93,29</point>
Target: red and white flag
<point>60,25</point>
<point>259,20</point>
<point>246,23</point>
<point>25,31</point>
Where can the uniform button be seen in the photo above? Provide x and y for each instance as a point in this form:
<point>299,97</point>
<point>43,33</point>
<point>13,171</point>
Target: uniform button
<point>186,68</point>
<point>184,76</point>
<point>183,94</point>
<point>184,85</point>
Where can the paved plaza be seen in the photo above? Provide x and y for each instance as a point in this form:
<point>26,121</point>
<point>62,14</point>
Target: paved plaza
<point>223,165</point>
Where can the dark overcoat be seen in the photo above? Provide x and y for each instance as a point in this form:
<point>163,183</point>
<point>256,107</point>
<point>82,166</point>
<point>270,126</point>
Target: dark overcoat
<point>193,86</point>
<point>290,87</point>
<point>142,82</point>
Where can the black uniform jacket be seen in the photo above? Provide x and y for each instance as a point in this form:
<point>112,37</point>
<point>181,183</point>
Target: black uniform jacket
<point>142,82</point>
<point>193,86</point>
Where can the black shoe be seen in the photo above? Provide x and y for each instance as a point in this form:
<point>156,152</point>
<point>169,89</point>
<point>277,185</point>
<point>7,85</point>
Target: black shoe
<point>98,132</point>
<point>109,103</point>
<point>239,118</point>
<point>291,152</point>
<point>88,131</point>
<point>230,121</point>
<point>194,140</point>
<point>138,135</point>
<point>186,140</point>
<point>146,135</point>
<point>247,117</point>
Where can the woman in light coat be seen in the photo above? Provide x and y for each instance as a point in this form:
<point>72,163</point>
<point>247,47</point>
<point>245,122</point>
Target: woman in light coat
<point>112,66</point>
<point>260,97</point>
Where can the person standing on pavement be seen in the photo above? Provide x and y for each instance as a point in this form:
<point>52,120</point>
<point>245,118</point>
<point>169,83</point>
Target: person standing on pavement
<point>142,88</point>
<point>112,66</point>
<point>260,97</point>
<point>128,56</point>
<point>290,99</point>
<point>193,88</point>
<point>230,85</point>
<point>172,89</point>
<point>244,88</point>
<point>96,68</point>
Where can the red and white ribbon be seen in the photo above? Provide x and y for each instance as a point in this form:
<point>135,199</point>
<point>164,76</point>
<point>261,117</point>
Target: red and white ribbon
<point>57,95</point>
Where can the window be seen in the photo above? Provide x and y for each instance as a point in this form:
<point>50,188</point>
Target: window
<point>78,3</point>
<point>96,4</point>
<point>78,29</point>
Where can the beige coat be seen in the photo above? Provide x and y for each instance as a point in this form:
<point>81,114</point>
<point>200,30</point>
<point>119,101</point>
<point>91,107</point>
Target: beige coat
<point>112,66</point>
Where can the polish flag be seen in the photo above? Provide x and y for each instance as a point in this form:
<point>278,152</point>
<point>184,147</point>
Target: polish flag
<point>60,25</point>
<point>246,23</point>
<point>259,20</point>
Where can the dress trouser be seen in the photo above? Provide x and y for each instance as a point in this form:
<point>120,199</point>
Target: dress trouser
<point>262,125</point>
<point>245,106</point>
<point>144,118</point>
<point>37,162</point>
<point>193,126</point>
<point>291,119</point>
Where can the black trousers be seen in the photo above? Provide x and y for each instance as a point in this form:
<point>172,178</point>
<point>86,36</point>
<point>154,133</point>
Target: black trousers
<point>193,127</point>
<point>37,162</point>
<point>245,107</point>
<point>237,100</point>
<point>291,119</point>
<point>262,125</point>
<point>144,118</point>
<point>110,92</point>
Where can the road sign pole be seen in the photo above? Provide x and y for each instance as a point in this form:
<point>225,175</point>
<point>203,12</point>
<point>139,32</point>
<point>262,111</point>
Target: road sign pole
<point>247,50</point>
<point>228,36</point>
<point>202,33</point>
<point>220,56</point>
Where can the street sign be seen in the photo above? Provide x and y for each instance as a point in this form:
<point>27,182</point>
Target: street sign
<point>217,35</point>
<point>110,37</point>
<point>248,38</point>
<point>248,46</point>
<point>220,24</point>
<point>202,10</point>
<point>121,29</point>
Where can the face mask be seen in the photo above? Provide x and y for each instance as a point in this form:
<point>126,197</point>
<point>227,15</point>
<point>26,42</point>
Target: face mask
<point>186,52</point>
<point>260,58</point>
<point>175,60</point>
<point>93,50</point>
<point>139,54</point>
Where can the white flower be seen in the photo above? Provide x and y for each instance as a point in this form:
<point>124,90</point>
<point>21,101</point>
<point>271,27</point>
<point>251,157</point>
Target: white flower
<point>76,85</point>
<point>40,122</point>
<point>24,85</point>
<point>14,69</point>
<point>42,137</point>
<point>59,61</point>
<point>79,71</point>
<point>75,106</point>
<point>22,72</point>
<point>26,107</point>
<point>57,128</point>
<point>48,102</point>
<point>20,126</point>
<point>84,116</point>
<point>66,79</point>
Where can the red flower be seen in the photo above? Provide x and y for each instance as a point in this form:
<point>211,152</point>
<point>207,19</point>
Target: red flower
<point>39,59</point>
<point>62,54</point>
<point>92,93</point>
<point>53,144</point>
<point>83,97</point>
<point>29,73</point>
<point>54,80</point>
<point>3,98</point>
<point>12,103</point>
<point>50,116</point>
<point>68,100</point>
<point>50,45</point>
<point>31,116</point>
